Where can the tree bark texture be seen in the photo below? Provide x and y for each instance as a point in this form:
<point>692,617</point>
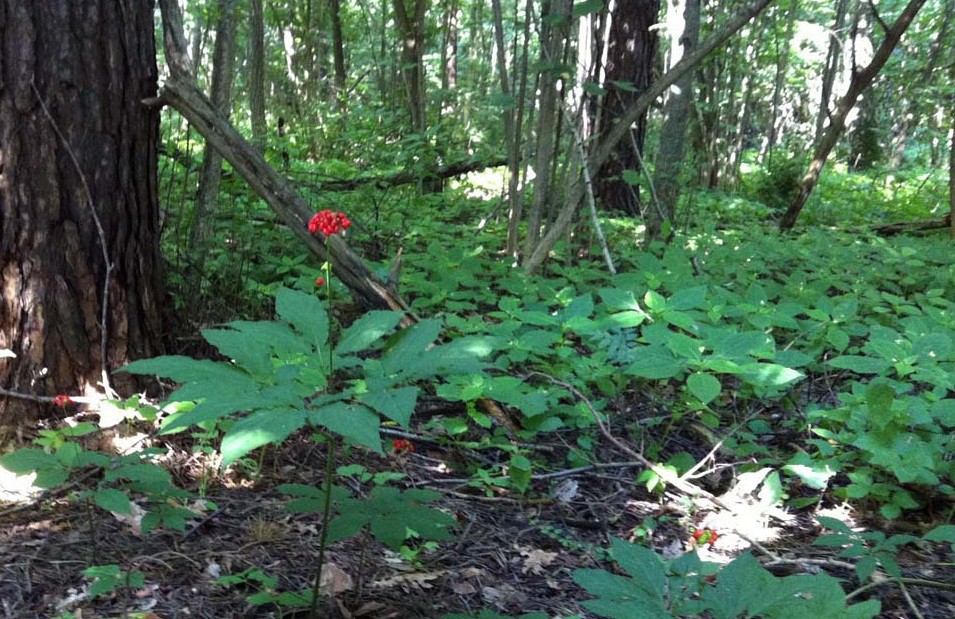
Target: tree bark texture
<point>257,71</point>
<point>78,153</point>
<point>862,77</point>
<point>631,51</point>
<point>684,22</point>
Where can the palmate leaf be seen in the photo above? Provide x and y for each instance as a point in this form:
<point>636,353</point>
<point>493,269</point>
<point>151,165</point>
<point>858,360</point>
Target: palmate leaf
<point>353,421</point>
<point>304,312</point>
<point>260,428</point>
<point>366,330</point>
<point>390,513</point>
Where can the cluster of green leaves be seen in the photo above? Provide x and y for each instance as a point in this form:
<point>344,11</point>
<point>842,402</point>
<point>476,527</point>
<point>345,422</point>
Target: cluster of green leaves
<point>278,378</point>
<point>60,457</point>
<point>658,589</point>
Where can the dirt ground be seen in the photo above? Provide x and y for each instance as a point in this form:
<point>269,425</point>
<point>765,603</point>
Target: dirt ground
<point>509,554</point>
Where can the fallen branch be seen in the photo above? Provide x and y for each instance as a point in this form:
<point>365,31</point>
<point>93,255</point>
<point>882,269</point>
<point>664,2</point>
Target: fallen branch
<point>406,177</point>
<point>913,226</point>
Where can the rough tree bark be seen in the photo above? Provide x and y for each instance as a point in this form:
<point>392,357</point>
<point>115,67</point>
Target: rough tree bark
<point>683,20</point>
<point>257,71</point>
<point>79,216</point>
<point>631,52</point>
<point>862,77</point>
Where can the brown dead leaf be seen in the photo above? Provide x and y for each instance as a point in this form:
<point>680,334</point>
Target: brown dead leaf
<point>535,560</point>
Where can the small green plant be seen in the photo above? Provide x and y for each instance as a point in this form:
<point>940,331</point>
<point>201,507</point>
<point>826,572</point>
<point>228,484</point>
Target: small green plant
<point>106,579</point>
<point>687,586</point>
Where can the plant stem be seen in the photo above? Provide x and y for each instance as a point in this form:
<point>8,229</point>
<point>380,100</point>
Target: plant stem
<point>326,516</point>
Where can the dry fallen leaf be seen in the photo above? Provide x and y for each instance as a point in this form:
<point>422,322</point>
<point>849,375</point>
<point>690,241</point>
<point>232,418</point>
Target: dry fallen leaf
<point>335,579</point>
<point>536,560</point>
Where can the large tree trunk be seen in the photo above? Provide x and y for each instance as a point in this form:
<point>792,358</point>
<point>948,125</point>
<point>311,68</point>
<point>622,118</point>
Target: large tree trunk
<point>630,54</point>
<point>683,20</point>
<point>862,77</point>
<point>79,217</point>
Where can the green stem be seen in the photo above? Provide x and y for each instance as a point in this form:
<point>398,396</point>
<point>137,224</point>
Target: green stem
<point>326,517</point>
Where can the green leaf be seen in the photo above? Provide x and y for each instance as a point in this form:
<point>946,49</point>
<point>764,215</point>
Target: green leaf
<point>519,470</point>
<point>23,461</point>
<point>244,350</point>
<point>406,345</point>
<point>860,364</point>
<point>642,564</point>
<point>366,330</point>
<point>655,362</point>
<point>390,513</point>
<point>769,374</point>
<point>355,422</point>
<point>879,398</point>
<point>704,386</point>
<point>113,500</point>
<point>395,404</point>
<point>688,298</point>
<point>260,428</point>
<point>304,312</point>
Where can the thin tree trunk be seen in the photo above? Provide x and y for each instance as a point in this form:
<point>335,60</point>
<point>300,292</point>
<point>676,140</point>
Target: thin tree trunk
<point>783,53</point>
<point>517,166</point>
<point>683,21</point>
<point>257,71</point>
<point>833,58</point>
<point>554,30</point>
<point>223,71</point>
<point>81,284</point>
<point>411,31</point>
<point>861,79</point>
<point>338,51</point>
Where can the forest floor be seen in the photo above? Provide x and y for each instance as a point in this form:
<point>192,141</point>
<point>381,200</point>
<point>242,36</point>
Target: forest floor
<point>510,554</point>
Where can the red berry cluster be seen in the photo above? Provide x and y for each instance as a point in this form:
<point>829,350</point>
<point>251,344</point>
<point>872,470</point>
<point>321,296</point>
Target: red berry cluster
<point>402,446</point>
<point>62,401</point>
<point>702,537</point>
<point>328,222</point>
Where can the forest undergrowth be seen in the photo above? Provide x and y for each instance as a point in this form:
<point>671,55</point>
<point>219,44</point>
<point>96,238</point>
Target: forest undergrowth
<point>736,424</point>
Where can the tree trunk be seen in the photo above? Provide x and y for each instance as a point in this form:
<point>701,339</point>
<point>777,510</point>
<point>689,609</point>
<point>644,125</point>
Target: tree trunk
<point>783,53</point>
<point>223,70</point>
<point>411,31</point>
<point>683,19</point>
<point>79,216</point>
<point>556,21</point>
<point>517,166</point>
<point>861,79</point>
<point>338,51</point>
<point>257,71</point>
<point>833,58</point>
<point>630,56</point>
